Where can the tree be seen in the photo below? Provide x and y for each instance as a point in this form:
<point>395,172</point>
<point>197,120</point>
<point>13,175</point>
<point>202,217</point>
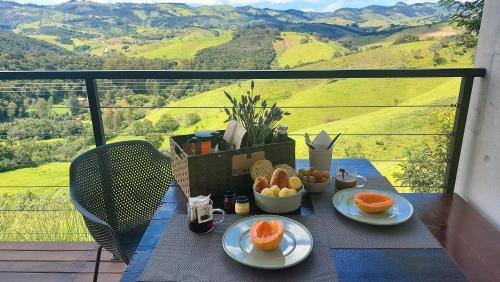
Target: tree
<point>436,54</point>
<point>42,109</point>
<point>468,14</point>
<point>11,109</point>
<point>408,38</point>
<point>424,169</point>
<point>191,119</point>
<point>118,120</point>
<point>142,127</point>
<point>155,138</point>
<point>72,103</point>
<point>107,119</point>
<point>166,124</point>
<point>467,18</point>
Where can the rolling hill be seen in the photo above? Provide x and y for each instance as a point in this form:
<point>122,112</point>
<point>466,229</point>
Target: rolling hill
<point>177,31</point>
<point>377,16</point>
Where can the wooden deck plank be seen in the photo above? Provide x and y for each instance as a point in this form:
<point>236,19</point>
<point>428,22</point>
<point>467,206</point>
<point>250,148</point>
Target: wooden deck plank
<point>47,246</point>
<point>55,261</point>
<point>60,267</point>
<point>59,255</point>
<point>53,277</point>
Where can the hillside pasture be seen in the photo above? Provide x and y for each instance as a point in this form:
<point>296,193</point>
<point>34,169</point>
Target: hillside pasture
<point>296,49</point>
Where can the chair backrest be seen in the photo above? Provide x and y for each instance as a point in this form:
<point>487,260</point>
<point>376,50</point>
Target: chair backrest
<point>118,187</point>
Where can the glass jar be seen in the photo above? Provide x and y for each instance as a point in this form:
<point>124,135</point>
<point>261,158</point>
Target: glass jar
<point>242,205</point>
<point>229,200</point>
<point>205,139</point>
<point>282,133</point>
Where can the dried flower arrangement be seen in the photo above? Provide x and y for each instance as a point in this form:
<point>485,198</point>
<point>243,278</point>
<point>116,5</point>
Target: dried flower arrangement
<point>259,120</point>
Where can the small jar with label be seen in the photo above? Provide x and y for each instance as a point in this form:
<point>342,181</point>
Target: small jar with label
<point>242,205</point>
<point>229,200</point>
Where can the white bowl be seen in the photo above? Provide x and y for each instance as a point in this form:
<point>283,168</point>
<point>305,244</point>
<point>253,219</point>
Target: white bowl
<point>278,204</point>
<point>317,187</point>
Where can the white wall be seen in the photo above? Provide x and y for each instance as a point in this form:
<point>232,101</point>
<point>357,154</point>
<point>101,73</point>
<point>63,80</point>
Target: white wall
<point>478,179</point>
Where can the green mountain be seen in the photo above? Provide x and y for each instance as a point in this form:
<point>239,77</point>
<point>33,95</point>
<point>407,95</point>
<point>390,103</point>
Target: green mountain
<point>376,16</point>
<point>88,19</point>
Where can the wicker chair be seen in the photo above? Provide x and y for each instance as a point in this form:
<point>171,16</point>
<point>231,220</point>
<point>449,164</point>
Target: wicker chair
<point>117,188</point>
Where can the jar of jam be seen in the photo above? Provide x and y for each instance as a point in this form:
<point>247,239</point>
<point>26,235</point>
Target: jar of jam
<point>229,200</point>
<point>242,205</point>
<point>205,139</point>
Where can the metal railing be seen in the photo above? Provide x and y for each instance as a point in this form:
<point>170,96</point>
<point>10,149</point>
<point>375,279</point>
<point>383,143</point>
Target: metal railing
<point>467,76</point>
<point>86,82</point>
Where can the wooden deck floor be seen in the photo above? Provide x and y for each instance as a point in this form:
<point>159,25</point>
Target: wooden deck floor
<point>54,261</point>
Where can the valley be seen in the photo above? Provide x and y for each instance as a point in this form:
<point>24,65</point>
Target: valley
<point>148,35</point>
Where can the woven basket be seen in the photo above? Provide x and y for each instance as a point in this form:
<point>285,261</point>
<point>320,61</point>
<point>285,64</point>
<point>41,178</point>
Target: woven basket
<point>228,170</point>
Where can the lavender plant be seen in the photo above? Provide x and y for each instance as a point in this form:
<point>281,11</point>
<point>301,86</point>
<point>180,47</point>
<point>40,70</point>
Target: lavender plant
<point>259,120</point>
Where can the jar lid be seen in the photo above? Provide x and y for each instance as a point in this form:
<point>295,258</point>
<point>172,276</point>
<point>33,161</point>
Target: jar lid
<point>229,193</point>
<point>205,133</point>
<point>242,199</point>
<point>282,127</point>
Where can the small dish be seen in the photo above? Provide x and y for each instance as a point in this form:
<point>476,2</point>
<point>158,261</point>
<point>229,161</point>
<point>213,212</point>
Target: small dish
<point>296,245</point>
<point>401,211</point>
<point>317,187</point>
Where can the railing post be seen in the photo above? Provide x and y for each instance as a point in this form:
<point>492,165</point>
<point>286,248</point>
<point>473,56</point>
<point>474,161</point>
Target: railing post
<point>458,132</point>
<point>95,111</point>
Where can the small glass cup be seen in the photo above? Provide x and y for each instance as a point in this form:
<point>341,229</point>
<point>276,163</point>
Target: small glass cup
<point>348,178</point>
<point>202,219</point>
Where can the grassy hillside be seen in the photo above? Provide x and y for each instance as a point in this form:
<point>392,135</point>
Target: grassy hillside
<point>298,49</point>
<point>56,174</point>
<point>410,55</point>
<point>179,47</point>
<point>436,31</point>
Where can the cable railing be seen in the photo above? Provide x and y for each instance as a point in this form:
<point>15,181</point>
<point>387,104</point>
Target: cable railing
<point>90,85</point>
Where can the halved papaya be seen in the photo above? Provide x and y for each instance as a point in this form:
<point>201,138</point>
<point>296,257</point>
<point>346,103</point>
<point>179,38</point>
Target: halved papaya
<point>267,235</point>
<point>371,202</point>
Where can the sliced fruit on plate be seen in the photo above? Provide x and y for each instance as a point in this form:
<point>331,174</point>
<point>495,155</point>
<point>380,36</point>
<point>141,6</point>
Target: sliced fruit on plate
<point>267,235</point>
<point>371,202</point>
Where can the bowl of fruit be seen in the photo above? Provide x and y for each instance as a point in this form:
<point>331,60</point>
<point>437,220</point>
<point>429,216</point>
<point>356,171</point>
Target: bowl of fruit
<point>282,193</point>
<point>314,180</point>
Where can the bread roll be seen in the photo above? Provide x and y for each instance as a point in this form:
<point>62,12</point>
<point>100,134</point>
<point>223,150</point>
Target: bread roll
<point>261,183</point>
<point>280,178</point>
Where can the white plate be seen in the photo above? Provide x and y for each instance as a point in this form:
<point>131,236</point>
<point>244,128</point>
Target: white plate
<point>400,212</point>
<point>296,245</point>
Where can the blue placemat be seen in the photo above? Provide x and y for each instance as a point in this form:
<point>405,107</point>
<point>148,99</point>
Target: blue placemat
<point>395,265</point>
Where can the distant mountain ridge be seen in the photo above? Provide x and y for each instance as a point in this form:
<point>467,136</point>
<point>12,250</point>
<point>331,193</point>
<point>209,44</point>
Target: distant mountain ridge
<point>123,16</point>
<point>379,16</point>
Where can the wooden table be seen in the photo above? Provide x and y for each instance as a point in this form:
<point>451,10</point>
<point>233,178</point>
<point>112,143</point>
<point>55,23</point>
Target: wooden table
<point>425,204</point>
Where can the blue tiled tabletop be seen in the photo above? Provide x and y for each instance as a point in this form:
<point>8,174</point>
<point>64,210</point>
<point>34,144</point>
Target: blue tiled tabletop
<point>174,202</point>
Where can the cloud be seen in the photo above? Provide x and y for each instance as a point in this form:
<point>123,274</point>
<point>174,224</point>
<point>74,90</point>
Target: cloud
<point>337,4</point>
<point>193,2</point>
<point>207,2</point>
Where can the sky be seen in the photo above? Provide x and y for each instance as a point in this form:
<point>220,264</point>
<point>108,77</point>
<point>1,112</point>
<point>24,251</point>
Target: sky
<point>304,5</point>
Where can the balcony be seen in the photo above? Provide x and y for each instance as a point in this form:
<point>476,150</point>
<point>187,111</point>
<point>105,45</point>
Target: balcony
<point>56,245</point>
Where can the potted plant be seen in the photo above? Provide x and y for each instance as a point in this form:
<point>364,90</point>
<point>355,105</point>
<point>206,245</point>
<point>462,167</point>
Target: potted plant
<point>259,120</point>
